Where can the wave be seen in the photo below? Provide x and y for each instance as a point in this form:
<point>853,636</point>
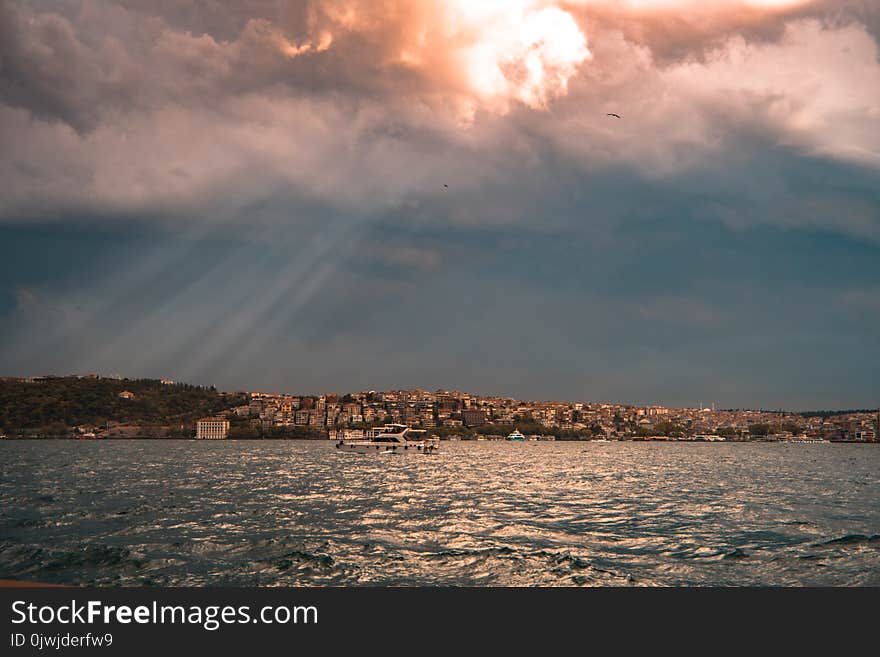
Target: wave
<point>736,553</point>
<point>562,565</point>
<point>57,564</point>
<point>299,558</point>
<point>850,539</point>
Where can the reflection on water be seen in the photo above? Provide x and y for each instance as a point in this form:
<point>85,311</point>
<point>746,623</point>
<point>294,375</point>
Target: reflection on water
<point>476,514</point>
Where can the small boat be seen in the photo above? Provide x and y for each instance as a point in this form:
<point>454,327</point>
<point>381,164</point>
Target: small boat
<point>391,439</point>
<point>516,436</point>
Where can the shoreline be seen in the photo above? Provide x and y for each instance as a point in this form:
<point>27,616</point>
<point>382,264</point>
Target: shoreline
<point>446,440</point>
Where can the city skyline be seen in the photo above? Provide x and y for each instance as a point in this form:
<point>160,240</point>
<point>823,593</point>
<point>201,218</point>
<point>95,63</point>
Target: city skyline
<point>91,406</point>
<point>338,393</point>
<point>657,202</point>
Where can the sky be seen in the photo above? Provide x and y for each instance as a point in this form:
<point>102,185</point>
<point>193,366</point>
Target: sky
<point>338,195</point>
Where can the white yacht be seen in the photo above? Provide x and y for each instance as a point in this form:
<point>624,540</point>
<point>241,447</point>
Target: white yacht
<point>390,439</point>
<point>516,435</point>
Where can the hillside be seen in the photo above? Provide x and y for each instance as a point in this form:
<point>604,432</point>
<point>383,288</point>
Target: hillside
<point>51,404</point>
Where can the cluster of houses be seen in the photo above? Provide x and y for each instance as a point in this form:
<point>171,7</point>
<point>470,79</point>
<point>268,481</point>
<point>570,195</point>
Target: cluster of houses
<point>448,411</point>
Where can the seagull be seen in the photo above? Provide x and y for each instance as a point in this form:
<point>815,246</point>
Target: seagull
<point>617,116</point>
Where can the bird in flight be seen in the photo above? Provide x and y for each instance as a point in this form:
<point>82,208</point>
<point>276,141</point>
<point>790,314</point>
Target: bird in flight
<point>617,116</point>
<point>445,185</point>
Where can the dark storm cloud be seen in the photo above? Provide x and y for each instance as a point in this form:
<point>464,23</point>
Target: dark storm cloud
<point>651,312</point>
<point>46,70</point>
<point>83,62</point>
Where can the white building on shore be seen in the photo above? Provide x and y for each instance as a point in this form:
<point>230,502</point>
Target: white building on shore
<point>212,428</point>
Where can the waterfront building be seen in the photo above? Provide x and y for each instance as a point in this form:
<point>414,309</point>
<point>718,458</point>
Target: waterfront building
<point>212,428</point>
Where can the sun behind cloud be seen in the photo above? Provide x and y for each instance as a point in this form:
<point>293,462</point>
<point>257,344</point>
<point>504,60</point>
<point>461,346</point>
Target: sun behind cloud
<point>523,50</point>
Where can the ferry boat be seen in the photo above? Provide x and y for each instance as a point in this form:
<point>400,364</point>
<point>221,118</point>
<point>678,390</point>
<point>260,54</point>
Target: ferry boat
<point>390,439</point>
<point>516,436</point>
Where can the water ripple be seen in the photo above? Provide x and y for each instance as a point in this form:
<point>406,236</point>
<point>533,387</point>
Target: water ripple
<point>477,514</point>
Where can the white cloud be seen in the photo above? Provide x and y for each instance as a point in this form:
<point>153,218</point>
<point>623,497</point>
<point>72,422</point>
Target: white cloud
<point>363,115</point>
